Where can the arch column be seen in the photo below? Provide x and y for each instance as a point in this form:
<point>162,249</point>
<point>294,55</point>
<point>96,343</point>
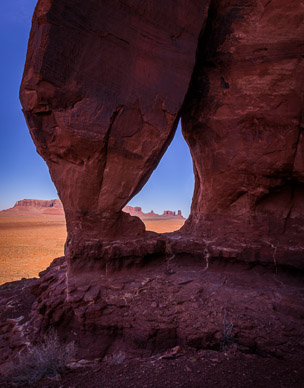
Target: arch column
<point>243,122</point>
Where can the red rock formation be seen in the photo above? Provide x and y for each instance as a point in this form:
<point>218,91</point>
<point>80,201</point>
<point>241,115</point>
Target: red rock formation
<point>168,213</point>
<point>101,92</point>
<point>243,121</point>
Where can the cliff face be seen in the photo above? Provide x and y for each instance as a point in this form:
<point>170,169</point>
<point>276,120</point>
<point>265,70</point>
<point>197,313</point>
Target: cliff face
<point>102,92</point>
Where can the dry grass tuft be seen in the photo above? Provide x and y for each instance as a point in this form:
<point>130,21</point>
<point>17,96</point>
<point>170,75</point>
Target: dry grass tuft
<point>47,358</point>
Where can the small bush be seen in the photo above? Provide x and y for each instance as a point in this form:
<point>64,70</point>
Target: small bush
<point>227,338</point>
<point>45,359</point>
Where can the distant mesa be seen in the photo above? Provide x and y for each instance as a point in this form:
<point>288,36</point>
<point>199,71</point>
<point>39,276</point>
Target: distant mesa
<point>29,207</point>
<point>137,211</point>
<point>39,203</point>
<point>35,207</point>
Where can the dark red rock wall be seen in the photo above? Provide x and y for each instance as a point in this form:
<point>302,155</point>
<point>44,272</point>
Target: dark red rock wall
<point>243,121</point>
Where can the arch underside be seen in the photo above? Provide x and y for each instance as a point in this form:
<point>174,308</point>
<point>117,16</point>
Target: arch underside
<point>103,90</point>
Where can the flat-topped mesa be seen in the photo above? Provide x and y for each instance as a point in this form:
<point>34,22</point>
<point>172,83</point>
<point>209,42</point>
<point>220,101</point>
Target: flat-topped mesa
<point>102,89</point>
<point>39,203</point>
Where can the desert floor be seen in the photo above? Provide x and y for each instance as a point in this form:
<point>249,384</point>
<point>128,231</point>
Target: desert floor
<point>163,225</point>
<point>29,244</point>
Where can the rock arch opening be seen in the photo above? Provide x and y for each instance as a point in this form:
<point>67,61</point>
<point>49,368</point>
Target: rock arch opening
<point>164,202</point>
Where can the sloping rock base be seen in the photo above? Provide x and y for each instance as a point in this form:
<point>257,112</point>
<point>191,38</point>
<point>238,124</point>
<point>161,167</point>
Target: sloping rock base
<point>157,305</point>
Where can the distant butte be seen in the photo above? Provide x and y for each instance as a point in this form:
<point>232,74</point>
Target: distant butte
<point>137,211</point>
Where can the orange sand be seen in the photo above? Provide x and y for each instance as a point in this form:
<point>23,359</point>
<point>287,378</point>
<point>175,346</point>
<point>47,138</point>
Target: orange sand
<point>29,244</point>
<point>165,225</point>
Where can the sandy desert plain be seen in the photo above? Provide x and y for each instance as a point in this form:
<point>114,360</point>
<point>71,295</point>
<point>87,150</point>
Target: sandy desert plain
<point>28,244</point>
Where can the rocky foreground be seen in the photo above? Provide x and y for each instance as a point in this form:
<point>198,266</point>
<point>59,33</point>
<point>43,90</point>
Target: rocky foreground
<point>177,322</point>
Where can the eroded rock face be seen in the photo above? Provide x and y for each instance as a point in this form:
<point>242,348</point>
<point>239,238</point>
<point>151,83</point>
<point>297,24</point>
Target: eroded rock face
<point>243,121</point>
<point>102,88</point>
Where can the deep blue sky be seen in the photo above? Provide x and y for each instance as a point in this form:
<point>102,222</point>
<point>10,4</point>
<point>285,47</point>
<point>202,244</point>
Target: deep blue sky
<point>23,173</point>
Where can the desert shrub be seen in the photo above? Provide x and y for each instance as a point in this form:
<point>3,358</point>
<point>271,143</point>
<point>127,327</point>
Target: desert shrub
<point>227,338</point>
<point>47,358</point>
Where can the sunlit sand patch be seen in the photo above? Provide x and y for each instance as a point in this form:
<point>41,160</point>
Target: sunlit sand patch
<point>164,226</point>
<point>28,245</point>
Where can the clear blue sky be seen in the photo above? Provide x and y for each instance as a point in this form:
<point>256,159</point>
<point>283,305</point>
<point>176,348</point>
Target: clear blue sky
<point>23,173</point>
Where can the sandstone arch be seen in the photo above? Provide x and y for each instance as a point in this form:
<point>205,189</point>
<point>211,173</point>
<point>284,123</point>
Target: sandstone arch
<point>104,86</point>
